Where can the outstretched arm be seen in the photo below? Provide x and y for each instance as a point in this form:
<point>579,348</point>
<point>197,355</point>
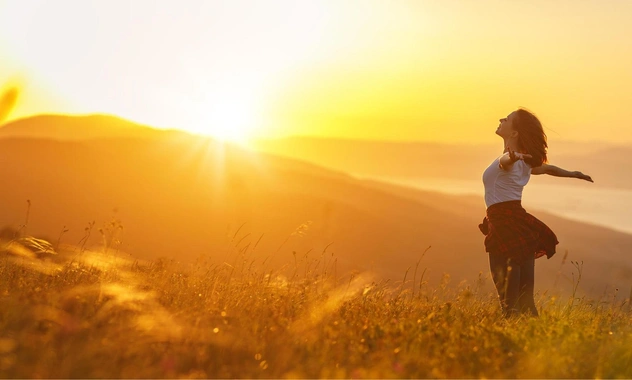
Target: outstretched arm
<point>559,172</point>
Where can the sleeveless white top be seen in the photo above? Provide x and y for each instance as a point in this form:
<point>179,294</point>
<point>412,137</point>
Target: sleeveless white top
<point>502,185</point>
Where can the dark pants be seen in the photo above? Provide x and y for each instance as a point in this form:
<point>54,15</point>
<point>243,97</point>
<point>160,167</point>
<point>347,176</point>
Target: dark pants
<point>514,282</point>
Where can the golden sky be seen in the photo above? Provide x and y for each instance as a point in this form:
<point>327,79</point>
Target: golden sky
<point>398,70</point>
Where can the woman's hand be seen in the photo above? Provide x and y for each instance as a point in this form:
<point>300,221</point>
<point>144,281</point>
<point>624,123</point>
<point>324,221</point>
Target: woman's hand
<point>580,175</point>
<point>506,161</point>
<point>515,156</point>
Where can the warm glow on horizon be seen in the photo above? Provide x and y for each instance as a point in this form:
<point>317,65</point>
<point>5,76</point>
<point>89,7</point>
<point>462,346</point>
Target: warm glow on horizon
<point>402,70</point>
<point>228,124</point>
<point>226,113</point>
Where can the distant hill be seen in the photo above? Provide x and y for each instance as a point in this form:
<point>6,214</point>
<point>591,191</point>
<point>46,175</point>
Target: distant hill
<point>369,158</point>
<point>74,128</point>
<point>185,197</point>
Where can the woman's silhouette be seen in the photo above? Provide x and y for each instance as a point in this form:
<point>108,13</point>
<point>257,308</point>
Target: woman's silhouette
<point>513,237</point>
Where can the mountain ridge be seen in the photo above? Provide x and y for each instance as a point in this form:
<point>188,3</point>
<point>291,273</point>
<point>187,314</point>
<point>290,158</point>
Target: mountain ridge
<point>76,127</point>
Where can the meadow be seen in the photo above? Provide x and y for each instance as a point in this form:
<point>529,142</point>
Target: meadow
<point>74,312</point>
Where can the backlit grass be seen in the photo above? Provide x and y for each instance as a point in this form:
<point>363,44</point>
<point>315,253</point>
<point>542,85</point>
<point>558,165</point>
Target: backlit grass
<point>95,314</point>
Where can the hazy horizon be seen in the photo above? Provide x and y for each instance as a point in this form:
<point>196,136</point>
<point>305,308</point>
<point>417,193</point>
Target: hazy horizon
<point>247,143</point>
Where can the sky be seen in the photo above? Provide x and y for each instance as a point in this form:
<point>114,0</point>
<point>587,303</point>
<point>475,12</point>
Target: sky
<point>392,70</point>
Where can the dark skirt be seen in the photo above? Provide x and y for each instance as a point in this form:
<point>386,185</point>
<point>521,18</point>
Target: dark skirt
<point>512,232</point>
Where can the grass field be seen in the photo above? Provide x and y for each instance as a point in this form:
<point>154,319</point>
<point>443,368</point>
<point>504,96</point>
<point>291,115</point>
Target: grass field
<point>100,314</point>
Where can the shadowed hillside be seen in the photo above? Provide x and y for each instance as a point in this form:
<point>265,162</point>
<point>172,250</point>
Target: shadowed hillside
<point>182,197</point>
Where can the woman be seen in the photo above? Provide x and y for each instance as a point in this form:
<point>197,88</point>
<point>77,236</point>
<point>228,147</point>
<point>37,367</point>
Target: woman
<point>514,238</point>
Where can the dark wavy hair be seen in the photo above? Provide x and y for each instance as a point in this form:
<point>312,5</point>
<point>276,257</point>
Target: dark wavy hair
<point>531,137</point>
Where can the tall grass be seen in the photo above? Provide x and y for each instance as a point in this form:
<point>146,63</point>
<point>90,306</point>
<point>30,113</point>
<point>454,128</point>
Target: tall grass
<point>79,313</point>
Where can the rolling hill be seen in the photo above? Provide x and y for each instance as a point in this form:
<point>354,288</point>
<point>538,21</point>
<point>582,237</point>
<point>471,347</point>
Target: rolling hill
<point>184,197</point>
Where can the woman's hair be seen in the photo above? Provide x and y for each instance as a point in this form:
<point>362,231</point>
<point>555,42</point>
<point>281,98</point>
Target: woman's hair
<point>531,137</point>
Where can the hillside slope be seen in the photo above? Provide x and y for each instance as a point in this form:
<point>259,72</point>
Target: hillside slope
<point>183,197</point>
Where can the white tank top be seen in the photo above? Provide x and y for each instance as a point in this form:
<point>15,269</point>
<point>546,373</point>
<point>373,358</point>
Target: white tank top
<point>502,185</point>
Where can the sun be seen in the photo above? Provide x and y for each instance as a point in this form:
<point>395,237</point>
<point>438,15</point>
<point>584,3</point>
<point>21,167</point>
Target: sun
<point>229,122</point>
<point>230,119</point>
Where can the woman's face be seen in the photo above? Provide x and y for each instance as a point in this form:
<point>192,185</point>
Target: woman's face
<point>505,128</point>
